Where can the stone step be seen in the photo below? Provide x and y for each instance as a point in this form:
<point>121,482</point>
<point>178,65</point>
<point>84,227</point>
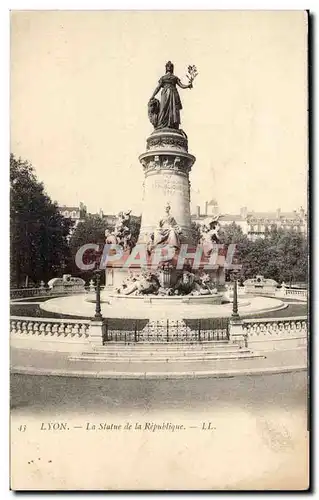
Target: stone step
<point>167,346</point>
<point>166,352</point>
<point>161,358</point>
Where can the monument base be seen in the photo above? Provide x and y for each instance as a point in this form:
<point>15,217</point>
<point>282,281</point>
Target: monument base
<point>205,286</point>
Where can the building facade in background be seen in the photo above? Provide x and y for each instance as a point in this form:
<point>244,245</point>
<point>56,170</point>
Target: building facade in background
<point>76,214</point>
<point>256,224</point>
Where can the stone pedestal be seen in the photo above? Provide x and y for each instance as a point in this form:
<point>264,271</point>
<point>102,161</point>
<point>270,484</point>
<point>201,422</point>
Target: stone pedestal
<point>236,333</point>
<point>97,330</point>
<point>109,278</point>
<point>166,165</point>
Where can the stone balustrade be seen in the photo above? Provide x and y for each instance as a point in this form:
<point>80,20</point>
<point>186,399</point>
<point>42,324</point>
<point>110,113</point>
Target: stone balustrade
<point>276,326</point>
<point>69,335</point>
<point>25,293</point>
<point>18,293</point>
<point>268,334</point>
<point>49,327</point>
<point>295,292</point>
<point>281,292</point>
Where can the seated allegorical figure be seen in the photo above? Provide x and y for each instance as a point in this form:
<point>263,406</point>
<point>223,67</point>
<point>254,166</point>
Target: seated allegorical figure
<point>204,285</point>
<point>185,284</point>
<point>144,283</point>
<point>169,231</point>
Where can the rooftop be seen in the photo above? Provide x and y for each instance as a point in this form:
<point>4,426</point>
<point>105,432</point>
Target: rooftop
<point>64,207</point>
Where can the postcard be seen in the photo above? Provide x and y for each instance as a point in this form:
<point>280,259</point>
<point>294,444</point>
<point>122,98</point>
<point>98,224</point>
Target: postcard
<point>159,250</point>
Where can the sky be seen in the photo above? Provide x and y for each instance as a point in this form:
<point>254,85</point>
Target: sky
<point>81,80</point>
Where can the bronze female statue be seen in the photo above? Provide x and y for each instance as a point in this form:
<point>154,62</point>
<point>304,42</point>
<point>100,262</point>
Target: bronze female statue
<point>166,113</point>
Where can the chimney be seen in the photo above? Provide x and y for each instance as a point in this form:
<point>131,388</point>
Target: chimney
<point>206,207</point>
<point>278,211</point>
<point>198,211</point>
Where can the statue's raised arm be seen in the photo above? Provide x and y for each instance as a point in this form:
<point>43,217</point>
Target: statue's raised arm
<point>166,113</point>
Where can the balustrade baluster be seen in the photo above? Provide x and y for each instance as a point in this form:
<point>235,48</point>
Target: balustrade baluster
<point>82,329</point>
<point>54,328</point>
<point>68,329</point>
<point>75,329</point>
<point>61,329</point>
<point>47,328</point>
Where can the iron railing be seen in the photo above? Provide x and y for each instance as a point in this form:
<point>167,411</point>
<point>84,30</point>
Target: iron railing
<point>138,330</point>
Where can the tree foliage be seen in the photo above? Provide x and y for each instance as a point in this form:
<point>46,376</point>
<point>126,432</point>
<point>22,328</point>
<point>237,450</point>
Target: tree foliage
<point>90,230</point>
<point>135,226</point>
<point>38,232</point>
<point>282,255</point>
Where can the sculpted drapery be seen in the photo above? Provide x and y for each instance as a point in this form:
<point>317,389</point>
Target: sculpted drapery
<point>166,112</point>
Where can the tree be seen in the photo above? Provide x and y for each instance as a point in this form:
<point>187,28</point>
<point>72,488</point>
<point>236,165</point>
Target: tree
<point>291,255</point>
<point>38,232</point>
<point>281,256</point>
<point>135,226</point>
<point>233,234</point>
<point>90,230</point>
<point>196,233</point>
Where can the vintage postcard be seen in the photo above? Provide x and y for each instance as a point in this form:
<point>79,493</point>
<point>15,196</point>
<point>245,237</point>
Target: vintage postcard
<point>159,250</point>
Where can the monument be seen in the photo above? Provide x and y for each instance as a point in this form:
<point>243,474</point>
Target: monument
<point>167,162</point>
<point>166,219</point>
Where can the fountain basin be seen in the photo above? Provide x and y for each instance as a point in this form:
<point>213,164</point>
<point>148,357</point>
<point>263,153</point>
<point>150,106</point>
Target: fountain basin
<point>136,307</point>
<point>166,300</point>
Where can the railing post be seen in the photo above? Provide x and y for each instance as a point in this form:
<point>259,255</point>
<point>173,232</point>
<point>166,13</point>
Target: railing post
<point>98,314</point>
<point>106,332</point>
<point>135,330</point>
<point>235,314</point>
<point>97,325</point>
<point>167,330</point>
<point>236,331</point>
<point>199,332</point>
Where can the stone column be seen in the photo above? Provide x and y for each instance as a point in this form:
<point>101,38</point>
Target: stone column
<point>166,165</point>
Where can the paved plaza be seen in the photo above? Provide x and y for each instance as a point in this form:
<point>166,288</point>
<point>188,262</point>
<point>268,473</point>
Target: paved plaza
<point>58,395</point>
<point>35,362</point>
